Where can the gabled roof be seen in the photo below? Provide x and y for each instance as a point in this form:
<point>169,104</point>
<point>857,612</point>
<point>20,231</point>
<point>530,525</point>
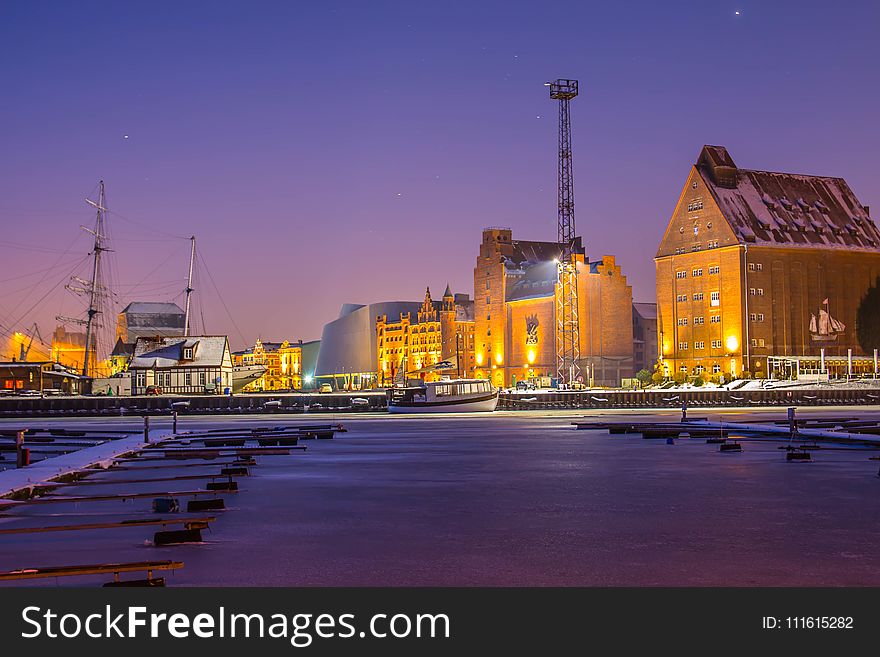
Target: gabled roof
<point>769,208</point>
<point>152,353</point>
<point>153,307</point>
<point>122,348</point>
<point>645,310</point>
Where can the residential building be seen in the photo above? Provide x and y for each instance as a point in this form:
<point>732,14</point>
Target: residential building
<point>283,361</point>
<point>182,365</point>
<point>440,331</point>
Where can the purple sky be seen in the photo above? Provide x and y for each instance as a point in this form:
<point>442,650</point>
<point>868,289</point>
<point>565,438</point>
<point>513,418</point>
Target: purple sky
<point>333,152</point>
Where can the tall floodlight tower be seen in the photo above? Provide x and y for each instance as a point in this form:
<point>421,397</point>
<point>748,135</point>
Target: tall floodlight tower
<point>567,324</point>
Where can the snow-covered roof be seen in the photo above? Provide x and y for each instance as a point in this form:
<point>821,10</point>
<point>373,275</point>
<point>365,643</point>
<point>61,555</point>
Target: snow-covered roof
<point>208,351</point>
<point>786,209</point>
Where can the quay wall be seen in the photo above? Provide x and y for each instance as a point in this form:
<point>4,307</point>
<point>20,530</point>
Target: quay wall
<point>376,401</point>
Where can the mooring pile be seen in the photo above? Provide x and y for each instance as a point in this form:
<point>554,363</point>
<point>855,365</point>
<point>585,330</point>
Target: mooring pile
<point>174,482</point>
<point>800,436</point>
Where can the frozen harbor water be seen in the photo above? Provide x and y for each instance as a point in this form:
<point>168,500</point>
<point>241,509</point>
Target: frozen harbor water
<point>503,499</point>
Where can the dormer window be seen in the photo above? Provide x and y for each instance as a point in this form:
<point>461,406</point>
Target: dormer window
<point>187,353</point>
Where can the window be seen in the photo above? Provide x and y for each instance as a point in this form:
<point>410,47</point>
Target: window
<point>699,345</point>
<point>681,297</point>
<point>681,274</point>
<point>716,298</point>
<point>760,291</point>
<point>759,266</point>
<point>201,378</point>
<point>760,317</point>
<point>756,291</point>
<point>699,369</point>
<point>754,342</point>
<point>141,379</point>
<point>698,272</point>
<point>696,247</point>
<point>751,266</point>
<point>188,378</point>
<point>715,319</point>
<point>188,353</point>
<point>716,344</point>
<point>698,296</point>
<point>682,321</point>
<point>682,346</point>
<point>694,184</point>
<point>753,317</point>
<point>716,368</point>
<point>679,250</point>
<point>488,300</point>
<point>698,320</point>
<point>712,245</point>
<point>695,205</point>
<point>714,270</point>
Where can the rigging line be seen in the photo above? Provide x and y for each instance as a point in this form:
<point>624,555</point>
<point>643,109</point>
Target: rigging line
<point>152,229</point>
<point>156,268</point>
<point>48,292</point>
<point>43,278</point>
<point>38,271</point>
<point>26,247</point>
<point>216,289</point>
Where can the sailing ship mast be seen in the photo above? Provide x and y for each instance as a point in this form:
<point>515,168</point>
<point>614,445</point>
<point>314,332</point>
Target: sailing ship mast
<point>92,286</point>
<point>189,287</point>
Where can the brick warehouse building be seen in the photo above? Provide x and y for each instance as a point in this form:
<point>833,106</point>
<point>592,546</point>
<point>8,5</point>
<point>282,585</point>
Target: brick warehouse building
<point>515,313</point>
<point>757,265</point>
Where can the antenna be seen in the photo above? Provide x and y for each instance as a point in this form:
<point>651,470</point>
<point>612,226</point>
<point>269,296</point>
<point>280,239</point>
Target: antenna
<point>189,287</point>
<point>567,323</point>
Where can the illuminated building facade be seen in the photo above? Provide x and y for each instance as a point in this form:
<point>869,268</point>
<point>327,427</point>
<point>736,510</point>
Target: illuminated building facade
<point>283,361</point>
<point>515,283</point>
<point>442,330</point>
<point>757,265</point>
<point>69,350</point>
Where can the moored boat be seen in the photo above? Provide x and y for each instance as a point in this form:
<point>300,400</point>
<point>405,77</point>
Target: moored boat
<point>444,396</point>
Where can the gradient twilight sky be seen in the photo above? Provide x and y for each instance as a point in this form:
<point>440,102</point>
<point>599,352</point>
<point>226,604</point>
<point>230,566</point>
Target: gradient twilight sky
<point>330,152</point>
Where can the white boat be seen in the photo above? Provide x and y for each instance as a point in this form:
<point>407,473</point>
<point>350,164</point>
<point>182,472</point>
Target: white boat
<point>444,396</point>
<point>244,374</point>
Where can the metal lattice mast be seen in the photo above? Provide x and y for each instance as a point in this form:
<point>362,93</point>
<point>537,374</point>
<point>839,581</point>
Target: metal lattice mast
<point>567,323</point>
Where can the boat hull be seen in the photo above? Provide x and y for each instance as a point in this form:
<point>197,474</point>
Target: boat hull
<point>243,375</point>
<point>482,404</point>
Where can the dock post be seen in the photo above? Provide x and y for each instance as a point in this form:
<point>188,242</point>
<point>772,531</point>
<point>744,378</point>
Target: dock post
<point>22,455</point>
<point>792,423</point>
<point>174,422</point>
<point>146,428</point>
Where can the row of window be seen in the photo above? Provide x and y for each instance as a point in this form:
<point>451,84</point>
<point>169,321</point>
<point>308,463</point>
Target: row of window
<point>756,266</point>
<point>715,297</point>
<point>695,205</point>
<point>756,291</point>
<point>715,269</point>
<point>756,317</point>
<point>716,344</point>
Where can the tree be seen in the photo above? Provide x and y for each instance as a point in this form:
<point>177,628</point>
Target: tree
<point>698,381</point>
<point>644,377</point>
<point>658,377</point>
<point>868,319</point>
<point>679,378</point>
